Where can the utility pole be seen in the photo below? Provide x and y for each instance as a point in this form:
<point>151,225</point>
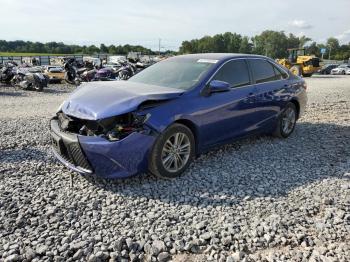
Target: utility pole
<point>159,45</point>
<point>329,55</point>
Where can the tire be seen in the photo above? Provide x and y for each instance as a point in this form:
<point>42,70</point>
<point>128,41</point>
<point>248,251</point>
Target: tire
<point>38,84</point>
<point>69,77</point>
<point>307,75</point>
<point>38,87</point>
<point>281,131</point>
<point>160,152</point>
<point>14,82</point>
<point>55,81</point>
<point>296,70</point>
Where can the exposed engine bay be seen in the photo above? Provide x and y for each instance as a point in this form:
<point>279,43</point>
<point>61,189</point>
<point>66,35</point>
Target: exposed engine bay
<point>113,128</point>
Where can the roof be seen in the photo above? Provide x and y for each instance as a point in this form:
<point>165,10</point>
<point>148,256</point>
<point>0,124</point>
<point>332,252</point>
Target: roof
<point>216,56</point>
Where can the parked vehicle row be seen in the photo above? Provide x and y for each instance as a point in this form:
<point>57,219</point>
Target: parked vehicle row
<point>335,69</point>
<point>77,72</point>
<point>341,70</point>
<point>23,76</point>
<point>72,71</point>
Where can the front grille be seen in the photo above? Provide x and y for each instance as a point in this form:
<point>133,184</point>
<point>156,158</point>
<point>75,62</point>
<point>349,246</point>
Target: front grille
<point>72,153</point>
<point>78,156</point>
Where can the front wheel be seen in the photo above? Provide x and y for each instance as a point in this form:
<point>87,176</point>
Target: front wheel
<point>172,152</point>
<point>286,122</point>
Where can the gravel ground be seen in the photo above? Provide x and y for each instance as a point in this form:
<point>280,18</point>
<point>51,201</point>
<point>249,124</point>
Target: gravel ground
<point>262,199</point>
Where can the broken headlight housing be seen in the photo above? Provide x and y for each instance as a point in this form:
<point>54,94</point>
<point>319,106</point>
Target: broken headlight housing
<point>121,129</point>
<point>112,128</point>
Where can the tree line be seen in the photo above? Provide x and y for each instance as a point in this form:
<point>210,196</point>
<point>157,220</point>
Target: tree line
<point>61,48</point>
<point>269,43</point>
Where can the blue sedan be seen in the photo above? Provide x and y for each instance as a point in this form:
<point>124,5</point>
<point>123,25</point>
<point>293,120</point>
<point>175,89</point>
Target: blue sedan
<point>161,118</point>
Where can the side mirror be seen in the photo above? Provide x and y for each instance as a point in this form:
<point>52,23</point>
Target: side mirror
<point>216,86</point>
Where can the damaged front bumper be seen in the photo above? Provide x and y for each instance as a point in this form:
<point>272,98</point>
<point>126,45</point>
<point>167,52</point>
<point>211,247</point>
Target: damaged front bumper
<point>101,157</point>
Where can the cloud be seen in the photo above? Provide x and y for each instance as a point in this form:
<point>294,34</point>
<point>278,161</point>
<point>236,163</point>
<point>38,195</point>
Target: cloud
<point>344,36</point>
<point>300,34</point>
<point>144,22</point>
<point>301,24</point>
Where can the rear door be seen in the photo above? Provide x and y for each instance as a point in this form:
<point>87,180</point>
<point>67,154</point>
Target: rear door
<point>271,87</point>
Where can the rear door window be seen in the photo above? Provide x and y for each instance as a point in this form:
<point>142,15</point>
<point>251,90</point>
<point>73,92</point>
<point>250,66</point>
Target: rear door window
<point>234,72</point>
<point>263,71</point>
<point>280,74</point>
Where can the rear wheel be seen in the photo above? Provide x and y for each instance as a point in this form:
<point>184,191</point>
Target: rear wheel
<point>172,152</point>
<point>286,122</point>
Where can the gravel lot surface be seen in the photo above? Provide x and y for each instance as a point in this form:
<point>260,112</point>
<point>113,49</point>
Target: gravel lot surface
<point>262,199</point>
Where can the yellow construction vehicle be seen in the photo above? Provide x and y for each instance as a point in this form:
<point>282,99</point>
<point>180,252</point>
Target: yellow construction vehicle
<point>299,63</point>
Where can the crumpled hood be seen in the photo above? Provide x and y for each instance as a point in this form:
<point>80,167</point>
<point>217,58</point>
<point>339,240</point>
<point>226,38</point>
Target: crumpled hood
<point>97,100</point>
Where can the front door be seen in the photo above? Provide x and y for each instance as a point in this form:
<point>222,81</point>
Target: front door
<point>229,114</point>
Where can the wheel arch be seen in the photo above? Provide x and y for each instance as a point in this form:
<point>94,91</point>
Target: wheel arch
<point>297,106</point>
<point>194,129</point>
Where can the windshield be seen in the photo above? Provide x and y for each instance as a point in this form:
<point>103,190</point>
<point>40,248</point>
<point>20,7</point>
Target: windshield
<point>181,73</point>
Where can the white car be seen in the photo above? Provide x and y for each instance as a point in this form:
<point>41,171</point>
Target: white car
<point>113,65</point>
<point>94,60</point>
<point>116,59</point>
<point>347,72</point>
<point>340,70</point>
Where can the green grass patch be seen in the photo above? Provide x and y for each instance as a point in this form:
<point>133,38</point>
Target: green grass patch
<point>30,54</point>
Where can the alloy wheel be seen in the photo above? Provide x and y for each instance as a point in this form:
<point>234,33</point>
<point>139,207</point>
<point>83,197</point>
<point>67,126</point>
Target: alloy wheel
<point>176,152</point>
<point>288,120</point>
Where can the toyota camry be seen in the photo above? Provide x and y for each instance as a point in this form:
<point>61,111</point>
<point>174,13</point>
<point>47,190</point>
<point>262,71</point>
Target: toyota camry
<point>162,118</point>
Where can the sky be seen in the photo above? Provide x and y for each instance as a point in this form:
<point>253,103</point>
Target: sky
<point>143,22</point>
